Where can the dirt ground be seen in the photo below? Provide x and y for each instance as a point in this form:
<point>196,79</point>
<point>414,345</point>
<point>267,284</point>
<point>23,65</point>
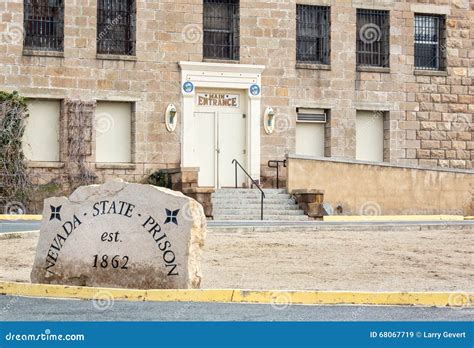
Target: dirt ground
<point>325,260</point>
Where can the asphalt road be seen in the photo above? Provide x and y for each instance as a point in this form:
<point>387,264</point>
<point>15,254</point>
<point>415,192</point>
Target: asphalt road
<point>39,309</point>
<point>19,226</point>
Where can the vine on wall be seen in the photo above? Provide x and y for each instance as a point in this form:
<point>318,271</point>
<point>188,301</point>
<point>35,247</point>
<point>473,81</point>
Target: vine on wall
<point>15,184</point>
<point>79,147</point>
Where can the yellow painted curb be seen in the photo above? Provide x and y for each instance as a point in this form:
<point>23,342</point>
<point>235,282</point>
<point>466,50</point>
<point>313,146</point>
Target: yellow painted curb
<point>348,218</point>
<point>469,218</point>
<point>277,298</point>
<point>20,217</point>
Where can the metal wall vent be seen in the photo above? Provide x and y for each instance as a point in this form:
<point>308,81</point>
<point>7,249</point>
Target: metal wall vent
<point>311,115</point>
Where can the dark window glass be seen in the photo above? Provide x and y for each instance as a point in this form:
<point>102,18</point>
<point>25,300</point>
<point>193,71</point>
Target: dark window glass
<point>116,27</point>
<point>221,29</point>
<point>429,42</point>
<point>312,34</point>
<point>44,25</point>
<point>373,38</point>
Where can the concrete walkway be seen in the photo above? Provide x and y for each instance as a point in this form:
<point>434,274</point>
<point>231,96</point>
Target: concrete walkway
<point>26,225</point>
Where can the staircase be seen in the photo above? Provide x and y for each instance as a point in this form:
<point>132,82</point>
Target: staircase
<point>244,204</point>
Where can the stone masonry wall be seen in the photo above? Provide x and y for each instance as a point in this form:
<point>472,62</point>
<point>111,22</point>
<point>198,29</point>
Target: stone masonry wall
<point>428,116</point>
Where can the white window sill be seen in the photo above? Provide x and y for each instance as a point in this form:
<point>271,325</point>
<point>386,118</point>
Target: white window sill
<point>313,66</point>
<point>44,164</point>
<point>115,165</point>
<point>224,61</point>
<point>374,69</point>
<point>422,72</point>
<point>116,57</point>
<point>41,53</point>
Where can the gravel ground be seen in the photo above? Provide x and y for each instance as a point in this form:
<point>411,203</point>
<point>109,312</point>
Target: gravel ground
<point>433,260</point>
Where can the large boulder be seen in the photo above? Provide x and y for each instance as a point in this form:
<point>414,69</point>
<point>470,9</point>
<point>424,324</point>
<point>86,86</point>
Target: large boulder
<point>123,235</point>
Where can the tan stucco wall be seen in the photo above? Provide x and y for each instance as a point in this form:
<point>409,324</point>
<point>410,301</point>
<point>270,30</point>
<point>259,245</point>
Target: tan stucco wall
<point>380,189</point>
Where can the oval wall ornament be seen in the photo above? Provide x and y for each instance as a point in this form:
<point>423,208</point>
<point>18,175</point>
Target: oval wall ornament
<point>188,87</point>
<point>255,89</point>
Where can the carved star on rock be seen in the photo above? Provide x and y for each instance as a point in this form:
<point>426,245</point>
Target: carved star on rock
<point>55,213</point>
<point>171,216</point>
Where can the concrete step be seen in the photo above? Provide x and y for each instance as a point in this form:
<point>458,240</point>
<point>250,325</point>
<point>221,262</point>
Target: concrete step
<point>254,206</point>
<point>265,217</point>
<point>242,190</point>
<point>245,201</point>
<point>244,204</point>
<point>243,197</point>
<point>245,192</point>
<point>252,196</point>
<point>246,212</point>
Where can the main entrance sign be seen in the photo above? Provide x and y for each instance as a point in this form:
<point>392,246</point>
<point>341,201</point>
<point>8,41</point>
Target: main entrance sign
<point>218,99</point>
<point>121,235</point>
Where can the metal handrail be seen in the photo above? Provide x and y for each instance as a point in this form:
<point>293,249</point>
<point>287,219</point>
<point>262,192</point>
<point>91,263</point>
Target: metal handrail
<point>271,164</point>
<point>262,194</point>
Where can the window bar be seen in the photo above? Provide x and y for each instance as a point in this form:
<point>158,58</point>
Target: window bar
<point>313,28</point>
<point>116,27</point>
<point>44,25</point>
<point>221,29</point>
<point>373,32</point>
<point>428,50</point>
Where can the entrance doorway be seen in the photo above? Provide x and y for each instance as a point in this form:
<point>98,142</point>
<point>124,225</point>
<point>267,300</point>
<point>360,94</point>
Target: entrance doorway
<point>220,137</point>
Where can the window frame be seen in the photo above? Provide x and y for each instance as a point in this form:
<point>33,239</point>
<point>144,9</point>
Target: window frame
<point>110,42</point>
<point>369,52</point>
<point>322,56</point>
<point>439,44</point>
<point>227,49</point>
<point>43,26</point>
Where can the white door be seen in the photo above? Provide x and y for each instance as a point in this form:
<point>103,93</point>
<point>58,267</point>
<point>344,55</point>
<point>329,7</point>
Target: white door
<point>205,147</point>
<point>219,137</point>
<point>231,145</point>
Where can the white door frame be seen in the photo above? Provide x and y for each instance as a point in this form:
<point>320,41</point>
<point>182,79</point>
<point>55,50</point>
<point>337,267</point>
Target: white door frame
<point>221,76</point>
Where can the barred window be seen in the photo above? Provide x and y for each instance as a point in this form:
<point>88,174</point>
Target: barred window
<point>44,25</point>
<point>429,42</point>
<point>221,29</point>
<point>116,24</point>
<point>312,34</point>
<point>373,38</point>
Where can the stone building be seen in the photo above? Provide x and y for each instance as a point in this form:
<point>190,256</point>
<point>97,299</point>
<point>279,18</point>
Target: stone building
<point>126,88</point>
